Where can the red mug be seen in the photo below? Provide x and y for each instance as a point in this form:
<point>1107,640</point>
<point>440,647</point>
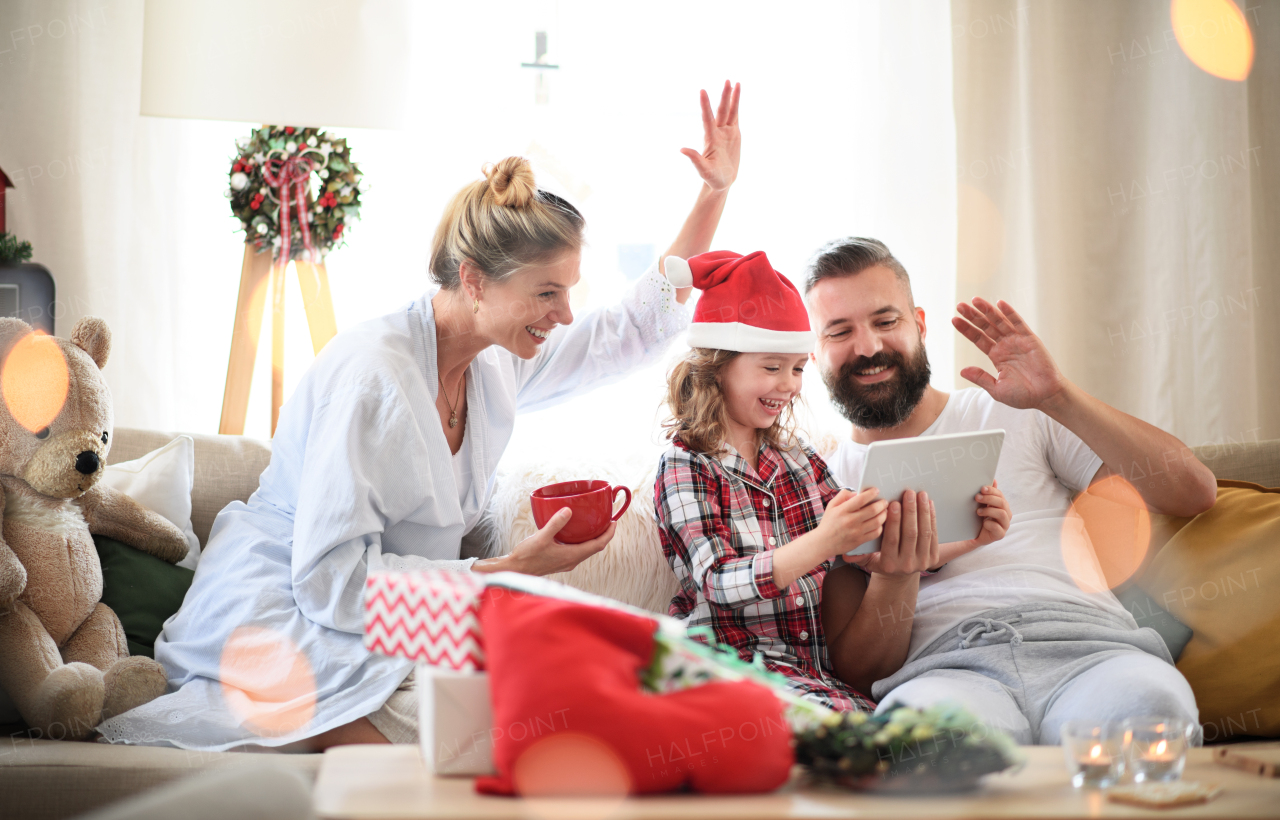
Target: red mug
<point>591,502</point>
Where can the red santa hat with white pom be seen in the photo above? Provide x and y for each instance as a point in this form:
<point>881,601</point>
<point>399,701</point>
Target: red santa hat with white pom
<point>745,305</point>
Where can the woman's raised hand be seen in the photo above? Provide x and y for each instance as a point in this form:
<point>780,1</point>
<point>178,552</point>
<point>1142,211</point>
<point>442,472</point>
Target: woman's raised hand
<point>542,554</point>
<point>718,162</point>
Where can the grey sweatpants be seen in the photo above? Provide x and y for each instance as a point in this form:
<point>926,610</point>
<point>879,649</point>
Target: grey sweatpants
<point>1029,669</point>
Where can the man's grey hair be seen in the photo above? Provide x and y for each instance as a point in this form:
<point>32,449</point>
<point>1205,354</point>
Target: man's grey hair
<point>852,255</point>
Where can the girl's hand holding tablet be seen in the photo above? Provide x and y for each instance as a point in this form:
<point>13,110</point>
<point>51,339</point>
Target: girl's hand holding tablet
<point>996,516</point>
<point>851,519</point>
<point>994,507</point>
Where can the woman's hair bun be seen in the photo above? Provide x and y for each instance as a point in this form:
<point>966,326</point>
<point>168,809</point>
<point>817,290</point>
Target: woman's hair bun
<point>500,224</point>
<point>511,182</point>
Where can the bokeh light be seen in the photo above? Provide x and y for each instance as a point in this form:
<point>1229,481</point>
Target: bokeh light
<point>34,381</point>
<point>1214,35</point>
<point>1106,535</point>
<point>569,764</point>
<point>267,682</point>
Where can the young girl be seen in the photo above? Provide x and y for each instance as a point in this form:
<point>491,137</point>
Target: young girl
<point>750,519</point>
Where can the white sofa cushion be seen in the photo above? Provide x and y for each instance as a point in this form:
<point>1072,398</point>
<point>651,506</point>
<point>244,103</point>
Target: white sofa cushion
<point>161,481</point>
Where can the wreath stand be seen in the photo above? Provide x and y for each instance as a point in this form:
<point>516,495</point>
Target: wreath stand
<point>318,304</point>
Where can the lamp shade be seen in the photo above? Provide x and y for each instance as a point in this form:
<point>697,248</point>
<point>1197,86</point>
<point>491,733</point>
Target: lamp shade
<point>339,63</point>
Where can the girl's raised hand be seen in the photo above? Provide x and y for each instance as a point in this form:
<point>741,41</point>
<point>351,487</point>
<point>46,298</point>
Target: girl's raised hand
<point>718,162</point>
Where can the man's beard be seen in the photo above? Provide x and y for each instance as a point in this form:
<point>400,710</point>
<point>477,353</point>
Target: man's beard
<point>882,404</point>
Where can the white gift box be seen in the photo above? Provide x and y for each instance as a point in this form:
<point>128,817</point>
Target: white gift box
<point>455,721</point>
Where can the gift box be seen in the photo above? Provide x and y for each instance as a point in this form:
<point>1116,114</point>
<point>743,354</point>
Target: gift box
<point>431,616</point>
<point>455,721</point>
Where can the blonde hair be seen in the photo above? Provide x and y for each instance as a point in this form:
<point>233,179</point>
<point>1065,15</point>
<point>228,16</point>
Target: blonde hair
<point>502,223</point>
<point>695,401</point>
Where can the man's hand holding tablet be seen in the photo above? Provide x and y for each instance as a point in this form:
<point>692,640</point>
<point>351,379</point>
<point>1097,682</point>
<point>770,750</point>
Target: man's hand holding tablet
<point>910,532</point>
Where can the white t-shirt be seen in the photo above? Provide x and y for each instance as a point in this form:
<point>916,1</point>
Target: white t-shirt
<point>1042,464</point>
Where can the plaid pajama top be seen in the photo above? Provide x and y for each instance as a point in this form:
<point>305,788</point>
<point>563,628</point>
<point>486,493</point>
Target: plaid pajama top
<point>720,522</point>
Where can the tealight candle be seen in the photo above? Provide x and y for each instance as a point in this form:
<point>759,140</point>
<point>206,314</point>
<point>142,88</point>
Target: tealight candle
<point>1094,766</point>
<point>1157,748</point>
<point>1094,753</point>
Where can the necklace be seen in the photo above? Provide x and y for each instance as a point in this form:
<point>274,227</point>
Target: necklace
<point>453,414</point>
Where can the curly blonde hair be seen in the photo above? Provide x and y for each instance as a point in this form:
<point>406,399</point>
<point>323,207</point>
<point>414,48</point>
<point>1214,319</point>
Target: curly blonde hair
<point>696,406</point>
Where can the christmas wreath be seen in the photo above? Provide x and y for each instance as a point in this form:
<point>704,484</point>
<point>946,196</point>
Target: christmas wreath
<point>294,190</point>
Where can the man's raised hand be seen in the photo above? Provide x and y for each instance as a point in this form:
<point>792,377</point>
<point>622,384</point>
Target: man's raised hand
<point>1026,375</point>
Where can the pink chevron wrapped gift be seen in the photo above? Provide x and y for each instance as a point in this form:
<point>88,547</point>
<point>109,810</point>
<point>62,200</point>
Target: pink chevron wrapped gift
<point>430,616</point>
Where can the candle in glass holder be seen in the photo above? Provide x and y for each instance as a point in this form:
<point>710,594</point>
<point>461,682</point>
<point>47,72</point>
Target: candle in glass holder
<point>1157,748</point>
<point>1096,764</point>
<point>1094,753</point>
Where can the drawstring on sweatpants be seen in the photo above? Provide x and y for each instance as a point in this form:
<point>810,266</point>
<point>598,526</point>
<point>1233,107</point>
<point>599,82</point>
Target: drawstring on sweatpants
<point>975,628</point>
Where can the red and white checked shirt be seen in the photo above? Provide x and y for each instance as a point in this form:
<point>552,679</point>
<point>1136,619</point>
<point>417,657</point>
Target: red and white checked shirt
<point>720,522</point>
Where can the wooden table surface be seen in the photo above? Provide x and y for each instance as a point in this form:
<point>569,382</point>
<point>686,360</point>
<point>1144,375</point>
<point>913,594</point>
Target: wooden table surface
<point>366,782</point>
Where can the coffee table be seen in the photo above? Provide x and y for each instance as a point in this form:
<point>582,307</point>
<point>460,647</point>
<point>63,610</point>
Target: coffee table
<point>367,782</point>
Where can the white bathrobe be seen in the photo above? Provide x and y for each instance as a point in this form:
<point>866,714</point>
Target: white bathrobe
<point>361,479</point>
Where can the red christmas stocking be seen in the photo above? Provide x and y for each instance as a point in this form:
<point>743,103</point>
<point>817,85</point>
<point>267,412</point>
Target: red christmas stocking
<point>570,718</point>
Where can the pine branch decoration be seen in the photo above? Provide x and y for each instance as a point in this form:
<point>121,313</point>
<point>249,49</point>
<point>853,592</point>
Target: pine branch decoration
<point>943,748</point>
<point>13,251</point>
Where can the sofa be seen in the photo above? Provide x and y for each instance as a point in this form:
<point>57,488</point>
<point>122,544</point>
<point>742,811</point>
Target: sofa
<point>55,779</point>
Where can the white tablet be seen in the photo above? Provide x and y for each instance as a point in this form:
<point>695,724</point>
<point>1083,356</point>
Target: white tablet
<point>951,469</point>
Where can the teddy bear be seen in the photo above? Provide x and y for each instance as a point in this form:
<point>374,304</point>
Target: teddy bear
<point>64,661</point>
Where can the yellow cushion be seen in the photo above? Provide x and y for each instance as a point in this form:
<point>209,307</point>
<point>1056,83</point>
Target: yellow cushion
<point>1219,574</point>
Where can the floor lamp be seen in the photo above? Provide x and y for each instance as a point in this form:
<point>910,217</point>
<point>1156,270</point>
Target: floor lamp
<point>231,60</point>
<point>313,279</point>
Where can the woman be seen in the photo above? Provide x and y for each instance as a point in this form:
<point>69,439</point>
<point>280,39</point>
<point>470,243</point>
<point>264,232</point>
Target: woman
<point>385,456</point>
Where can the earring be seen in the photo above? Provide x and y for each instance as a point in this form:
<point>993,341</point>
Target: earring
<point>475,306</point>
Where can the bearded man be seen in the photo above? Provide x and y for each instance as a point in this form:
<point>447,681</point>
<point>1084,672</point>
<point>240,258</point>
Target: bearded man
<point>1006,629</point>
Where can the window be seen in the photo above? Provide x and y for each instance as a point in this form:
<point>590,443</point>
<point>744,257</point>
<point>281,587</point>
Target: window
<point>846,126</point>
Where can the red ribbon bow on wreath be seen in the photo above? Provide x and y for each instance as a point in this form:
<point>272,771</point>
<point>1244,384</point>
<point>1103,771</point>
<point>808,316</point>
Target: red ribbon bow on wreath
<point>283,174</point>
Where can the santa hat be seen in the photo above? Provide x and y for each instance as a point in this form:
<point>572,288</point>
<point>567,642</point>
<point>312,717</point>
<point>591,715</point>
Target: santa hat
<point>745,305</point>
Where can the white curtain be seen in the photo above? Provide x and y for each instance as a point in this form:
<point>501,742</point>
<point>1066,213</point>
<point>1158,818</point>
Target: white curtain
<point>847,127</point>
<point>1126,201</point>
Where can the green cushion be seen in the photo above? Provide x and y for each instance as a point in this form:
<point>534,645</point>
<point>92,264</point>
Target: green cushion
<point>142,590</point>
